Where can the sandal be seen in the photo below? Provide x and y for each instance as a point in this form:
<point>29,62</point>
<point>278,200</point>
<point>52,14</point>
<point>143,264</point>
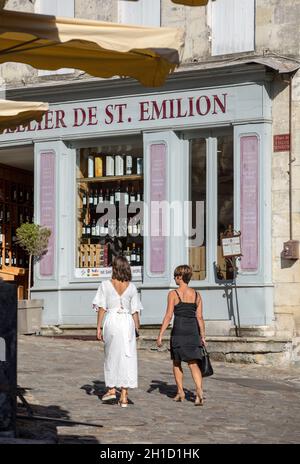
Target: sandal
<point>123,403</point>
<point>179,398</point>
<point>109,397</point>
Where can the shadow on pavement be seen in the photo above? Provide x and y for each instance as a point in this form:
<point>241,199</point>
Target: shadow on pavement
<point>98,389</point>
<point>169,390</point>
<point>39,422</point>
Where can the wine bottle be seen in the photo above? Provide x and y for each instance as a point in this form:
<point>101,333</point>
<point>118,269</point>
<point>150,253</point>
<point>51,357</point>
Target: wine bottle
<point>139,166</point>
<point>107,196</point>
<point>138,256</point>
<point>6,256</point>
<point>132,195</point>
<point>14,193</point>
<point>91,199</point>
<point>21,194</point>
<point>84,200</point>
<point>7,215</point>
<point>90,166</point>
<point>127,254</point>
<point>118,194</point>
<point>99,166</point>
<point>126,195</point>
<point>112,197</point>
<point>100,196</point>
<point>128,164</point>
<point>95,198</point>
<point>88,230</point>
<point>1,237</point>
<point>110,165</point>
<point>119,168</point>
<point>93,228</point>
<point>133,255</point>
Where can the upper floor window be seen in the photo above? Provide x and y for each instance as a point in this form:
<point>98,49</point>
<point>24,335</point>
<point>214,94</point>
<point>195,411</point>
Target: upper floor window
<point>66,9</point>
<point>139,12</point>
<point>233,26</point>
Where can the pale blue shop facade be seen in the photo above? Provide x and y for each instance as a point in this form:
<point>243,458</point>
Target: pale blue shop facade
<point>210,131</point>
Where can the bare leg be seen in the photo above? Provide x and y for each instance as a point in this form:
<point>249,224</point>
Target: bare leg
<point>111,391</point>
<point>178,374</point>
<point>197,377</point>
<point>124,395</point>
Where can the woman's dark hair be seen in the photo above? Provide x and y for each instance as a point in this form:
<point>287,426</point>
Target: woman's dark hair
<point>185,272</point>
<point>121,269</point>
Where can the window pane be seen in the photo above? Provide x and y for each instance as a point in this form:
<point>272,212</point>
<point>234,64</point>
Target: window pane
<point>109,206</point>
<point>225,199</point>
<point>197,249</point>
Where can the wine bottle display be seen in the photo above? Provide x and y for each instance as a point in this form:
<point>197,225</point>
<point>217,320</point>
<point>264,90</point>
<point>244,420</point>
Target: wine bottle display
<point>119,168</point>
<point>128,164</point>
<point>90,166</point>
<point>99,166</point>
<point>110,165</point>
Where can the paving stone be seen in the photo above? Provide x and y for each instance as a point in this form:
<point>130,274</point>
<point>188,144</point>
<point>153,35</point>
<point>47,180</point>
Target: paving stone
<point>64,379</point>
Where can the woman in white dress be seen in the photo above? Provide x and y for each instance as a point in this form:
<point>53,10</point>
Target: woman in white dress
<point>118,300</point>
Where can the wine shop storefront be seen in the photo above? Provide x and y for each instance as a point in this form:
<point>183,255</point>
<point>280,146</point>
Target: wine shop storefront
<point>157,176</point>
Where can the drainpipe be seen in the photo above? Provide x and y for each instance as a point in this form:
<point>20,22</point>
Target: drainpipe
<point>291,159</point>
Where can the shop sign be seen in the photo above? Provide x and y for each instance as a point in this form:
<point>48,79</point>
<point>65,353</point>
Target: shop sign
<point>104,272</point>
<point>281,142</point>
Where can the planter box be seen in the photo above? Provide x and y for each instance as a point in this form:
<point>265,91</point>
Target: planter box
<point>30,316</point>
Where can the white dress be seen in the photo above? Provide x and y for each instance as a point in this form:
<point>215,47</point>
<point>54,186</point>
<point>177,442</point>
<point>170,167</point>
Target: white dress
<point>120,363</point>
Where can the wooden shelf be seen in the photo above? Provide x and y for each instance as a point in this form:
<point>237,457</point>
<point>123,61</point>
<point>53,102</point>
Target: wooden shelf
<point>131,177</point>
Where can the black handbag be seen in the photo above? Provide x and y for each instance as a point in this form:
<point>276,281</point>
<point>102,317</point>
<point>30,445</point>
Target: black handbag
<point>205,364</point>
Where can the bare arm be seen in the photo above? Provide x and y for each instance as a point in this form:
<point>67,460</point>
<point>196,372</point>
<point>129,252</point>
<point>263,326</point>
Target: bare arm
<point>200,320</point>
<point>136,319</point>
<point>100,317</point>
<point>168,317</point>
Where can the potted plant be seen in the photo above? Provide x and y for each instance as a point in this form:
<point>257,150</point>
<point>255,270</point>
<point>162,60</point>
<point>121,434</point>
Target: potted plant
<point>34,239</point>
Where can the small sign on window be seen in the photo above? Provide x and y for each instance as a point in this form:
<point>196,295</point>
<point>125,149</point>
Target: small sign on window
<point>231,246</point>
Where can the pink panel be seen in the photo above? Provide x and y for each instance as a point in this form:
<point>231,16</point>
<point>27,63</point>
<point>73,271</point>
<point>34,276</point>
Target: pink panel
<point>249,202</point>
<point>47,207</point>
<point>158,159</point>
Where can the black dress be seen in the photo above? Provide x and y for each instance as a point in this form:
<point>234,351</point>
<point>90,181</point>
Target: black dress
<point>185,336</point>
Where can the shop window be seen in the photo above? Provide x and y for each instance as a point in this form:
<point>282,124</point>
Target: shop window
<point>197,219</point>
<point>232,25</point>
<point>139,12</point>
<point>65,9</point>
<point>225,200</point>
<point>110,208</point>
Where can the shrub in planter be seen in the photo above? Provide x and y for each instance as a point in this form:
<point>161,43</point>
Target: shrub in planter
<point>34,239</point>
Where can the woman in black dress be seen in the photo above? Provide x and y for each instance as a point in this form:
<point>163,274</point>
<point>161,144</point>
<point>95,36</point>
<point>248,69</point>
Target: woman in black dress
<point>188,333</point>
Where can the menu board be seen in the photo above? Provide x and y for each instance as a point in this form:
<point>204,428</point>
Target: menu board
<point>157,194</point>
<point>249,201</point>
<point>47,208</point>
<point>231,246</point>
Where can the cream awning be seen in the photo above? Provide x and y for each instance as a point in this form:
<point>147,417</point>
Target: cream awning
<point>14,113</point>
<point>191,2</point>
<point>99,48</point>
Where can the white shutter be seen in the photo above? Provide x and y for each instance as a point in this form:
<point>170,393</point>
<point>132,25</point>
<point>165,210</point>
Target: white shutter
<point>65,8</point>
<point>139,12</point>
<point>233,26</point>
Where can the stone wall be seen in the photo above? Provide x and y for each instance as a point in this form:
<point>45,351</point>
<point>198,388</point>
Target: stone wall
<point>286,273</point>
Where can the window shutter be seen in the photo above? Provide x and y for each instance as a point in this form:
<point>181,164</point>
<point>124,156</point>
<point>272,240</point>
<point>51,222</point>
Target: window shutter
<point>139,12</point>
<point>64,8</point>
<point>233,26</point>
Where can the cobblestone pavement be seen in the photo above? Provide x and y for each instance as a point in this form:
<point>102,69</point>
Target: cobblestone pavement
<point>64,378</point>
